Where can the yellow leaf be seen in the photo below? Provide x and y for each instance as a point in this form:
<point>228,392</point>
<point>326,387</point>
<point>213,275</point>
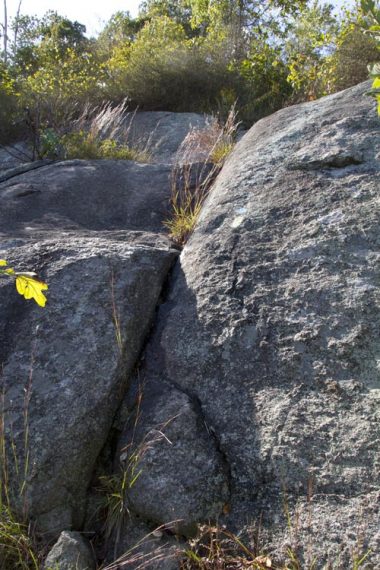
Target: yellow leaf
<point>3,262</point>
<point>31,288</point>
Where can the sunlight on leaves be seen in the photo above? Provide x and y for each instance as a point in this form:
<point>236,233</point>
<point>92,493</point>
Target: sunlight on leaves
<point>27,284</point>
<point>31,288</point>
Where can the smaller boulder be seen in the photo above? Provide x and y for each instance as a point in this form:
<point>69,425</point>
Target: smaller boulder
<point>69,552</point>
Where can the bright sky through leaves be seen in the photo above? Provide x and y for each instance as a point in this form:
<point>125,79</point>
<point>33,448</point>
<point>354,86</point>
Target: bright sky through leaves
<point>92,13</point>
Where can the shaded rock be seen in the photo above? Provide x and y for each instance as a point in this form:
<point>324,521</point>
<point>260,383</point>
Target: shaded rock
<point>22,168</point>
<point>65,368</point>
<point>74,357</point>
<point>140,543</point>
<point>177,459</point>
<point>14,156</point>
<point>70,552</point>
<point>272,325</point>
<point>86,195</point>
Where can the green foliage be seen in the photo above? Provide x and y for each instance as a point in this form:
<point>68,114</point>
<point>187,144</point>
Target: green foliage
<point>17,548</point>
<point>371,24</point>
<point>355,51</point>
<point>264,88</point>
<point>84,145</point>
<point>187,55</point>
<point>121,29</point>
<point>326,53</point>
<point>8,106</point>
<point>60,85</point>
<point>164,70</point>
<point>309,45</point>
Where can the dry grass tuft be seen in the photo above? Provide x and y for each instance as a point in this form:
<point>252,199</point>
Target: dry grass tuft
<point>191,183</point>
<point>216,548</point>
<point>20,548</point>
<point>95,132</point>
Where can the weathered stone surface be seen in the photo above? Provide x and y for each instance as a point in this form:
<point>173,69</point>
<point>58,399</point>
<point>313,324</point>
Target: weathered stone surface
<point>68,222</point>
<point>86,195</point>
<point>273,322</point>
<point>14,156</point>
<point>162,133</point>
<point>76,353</point>
<point>71,552</point>
<point>178,458</point>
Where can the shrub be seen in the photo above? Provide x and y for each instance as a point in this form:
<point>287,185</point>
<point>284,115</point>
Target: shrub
<point>162,70</point>
<point>355,51</point>
<point>10,125</point>
<point>84,145</point>
<point>95,133</point>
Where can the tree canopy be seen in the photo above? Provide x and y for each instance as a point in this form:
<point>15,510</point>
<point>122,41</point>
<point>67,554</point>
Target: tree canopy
<point>194,55</point>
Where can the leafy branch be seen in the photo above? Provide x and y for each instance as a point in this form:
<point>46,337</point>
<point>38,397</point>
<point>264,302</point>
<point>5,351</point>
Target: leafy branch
<point>26,283</point>
<point>371,12</point>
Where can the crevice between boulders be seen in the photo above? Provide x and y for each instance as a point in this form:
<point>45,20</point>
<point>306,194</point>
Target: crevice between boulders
<point>129,407</point>
<point>197,405</point>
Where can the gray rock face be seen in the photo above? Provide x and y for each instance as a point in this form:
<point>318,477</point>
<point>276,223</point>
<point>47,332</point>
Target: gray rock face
<point>86,195</point>
<point>178,460</point>
<point>14,156</point>
<point>71,552</point>
<point>65,367</point>
<point>162,133</point>
<point>272,326</point>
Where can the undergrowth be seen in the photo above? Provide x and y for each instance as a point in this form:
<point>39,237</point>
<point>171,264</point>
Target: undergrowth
<point>217,548</point>
<point>95,132</point>
<point>84,145</point>
<point>191,183</point>
<point>20,548</point>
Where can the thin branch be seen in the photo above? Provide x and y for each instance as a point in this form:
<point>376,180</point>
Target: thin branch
<point>16,26</point>
<point>5,36</point>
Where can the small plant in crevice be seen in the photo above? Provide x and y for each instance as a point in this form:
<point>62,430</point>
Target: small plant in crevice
<point>139,558</point>
<point>20,546</point>
<point>208,147</point>
<point>83,145</point>
<point>115,487</point>
<point>217,547</point>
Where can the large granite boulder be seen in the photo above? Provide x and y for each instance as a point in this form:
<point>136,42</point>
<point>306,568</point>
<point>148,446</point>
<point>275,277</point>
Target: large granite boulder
<point>270,333</point>
<point>92,231</point>
<point>159,135</point>
<point>86,195</point>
